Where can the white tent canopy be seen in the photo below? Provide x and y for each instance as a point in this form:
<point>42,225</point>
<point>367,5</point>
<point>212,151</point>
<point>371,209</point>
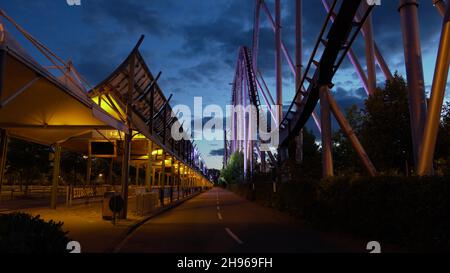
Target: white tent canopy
<point>37,106</point>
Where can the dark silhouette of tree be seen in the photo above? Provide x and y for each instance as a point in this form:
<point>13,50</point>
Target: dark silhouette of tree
<point>311,165</point>
<point>442,155</point>
<point>73,168</point>
<point>344,156</point>
<point>28,161</point>
<point>384,129</point>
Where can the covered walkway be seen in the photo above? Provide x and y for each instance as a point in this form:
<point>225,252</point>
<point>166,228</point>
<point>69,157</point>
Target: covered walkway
<point>126,117</point>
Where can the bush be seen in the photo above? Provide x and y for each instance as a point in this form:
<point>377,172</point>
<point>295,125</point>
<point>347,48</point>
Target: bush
<point>410,212</point>
<point>23,233</point>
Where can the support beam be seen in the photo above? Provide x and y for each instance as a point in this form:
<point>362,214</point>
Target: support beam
<point>3,155</point>
<point>256,32</point>
<point>437,99</point>
<point>128,138</point>
<point>278,60</point>
<point>137,174</point>
<point>441,6</point>
<point>125,173</point>
<point>20,91</point>
<point>163,177</point>
<point>327,145</point>
<point>178,180</point>
<point>370,54</point>
<point>149,167</point>
<point>172,177</point>
<point>2,60</point>
<point>347,129</point>
<point>55,177</point>
<point>89,168</point>
<point>298,73</point>
<point>414,70</point>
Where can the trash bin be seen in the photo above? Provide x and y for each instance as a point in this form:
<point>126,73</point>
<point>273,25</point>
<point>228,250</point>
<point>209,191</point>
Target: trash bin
<point>107,213</point>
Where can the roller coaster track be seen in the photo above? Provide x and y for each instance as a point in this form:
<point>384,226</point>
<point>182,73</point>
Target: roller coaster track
<point>342,31</point>
<point>245,75</point>
<point>337,43</point>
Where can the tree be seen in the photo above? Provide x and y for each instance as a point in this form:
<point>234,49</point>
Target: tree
<point>29,161</point>
<point>345,158</point>
<point>383,128</point>
<point>386,128</point>
<point>442,155</point>
<point>311,165</point>
<point>73,167</point>
<point>233,173</point>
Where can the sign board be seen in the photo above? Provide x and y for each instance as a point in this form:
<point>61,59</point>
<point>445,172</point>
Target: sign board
<point>103,148</point>
<point>116,204</point>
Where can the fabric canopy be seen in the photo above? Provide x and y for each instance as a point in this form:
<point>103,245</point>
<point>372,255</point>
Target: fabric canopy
<point>37,106</point>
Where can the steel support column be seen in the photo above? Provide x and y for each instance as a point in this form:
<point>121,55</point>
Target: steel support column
<point>149,167</point>
<point>89,168</point>
<point>55,177</point>
<point>437,99</point>
<point>278,60</point>
<point>125,177</point>
<point>3,155</point>
<point>441,6</point>
<point>127,139</point>
<point>370,54</point>
<point>172,177</point>
<point>298,73</point>
<point>178,179</point>
<point>163,176</point>
<point>2,66</point>
<point>327,145</point>
<point>414,70</point>
<point>256,32</point>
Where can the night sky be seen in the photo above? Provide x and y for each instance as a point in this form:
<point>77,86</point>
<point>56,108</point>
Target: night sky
<point>195,42</point>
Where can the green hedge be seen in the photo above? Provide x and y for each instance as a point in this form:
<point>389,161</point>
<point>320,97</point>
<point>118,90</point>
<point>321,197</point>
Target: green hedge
<point>23,233</point>
<point>410,212</point>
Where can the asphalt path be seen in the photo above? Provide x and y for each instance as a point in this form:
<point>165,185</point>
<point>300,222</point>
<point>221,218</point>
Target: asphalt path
<point>219,221</point>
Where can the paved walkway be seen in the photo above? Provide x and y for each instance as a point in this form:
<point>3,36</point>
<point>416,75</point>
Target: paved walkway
<point>219,221</point>
<point>84,223</point>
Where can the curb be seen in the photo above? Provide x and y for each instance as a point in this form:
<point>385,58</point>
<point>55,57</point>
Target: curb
<point>137,225</point>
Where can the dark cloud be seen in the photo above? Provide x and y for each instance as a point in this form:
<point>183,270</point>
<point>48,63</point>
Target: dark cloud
<point>195,42</point>
<point>217,152</point>
<point>132,16</point>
